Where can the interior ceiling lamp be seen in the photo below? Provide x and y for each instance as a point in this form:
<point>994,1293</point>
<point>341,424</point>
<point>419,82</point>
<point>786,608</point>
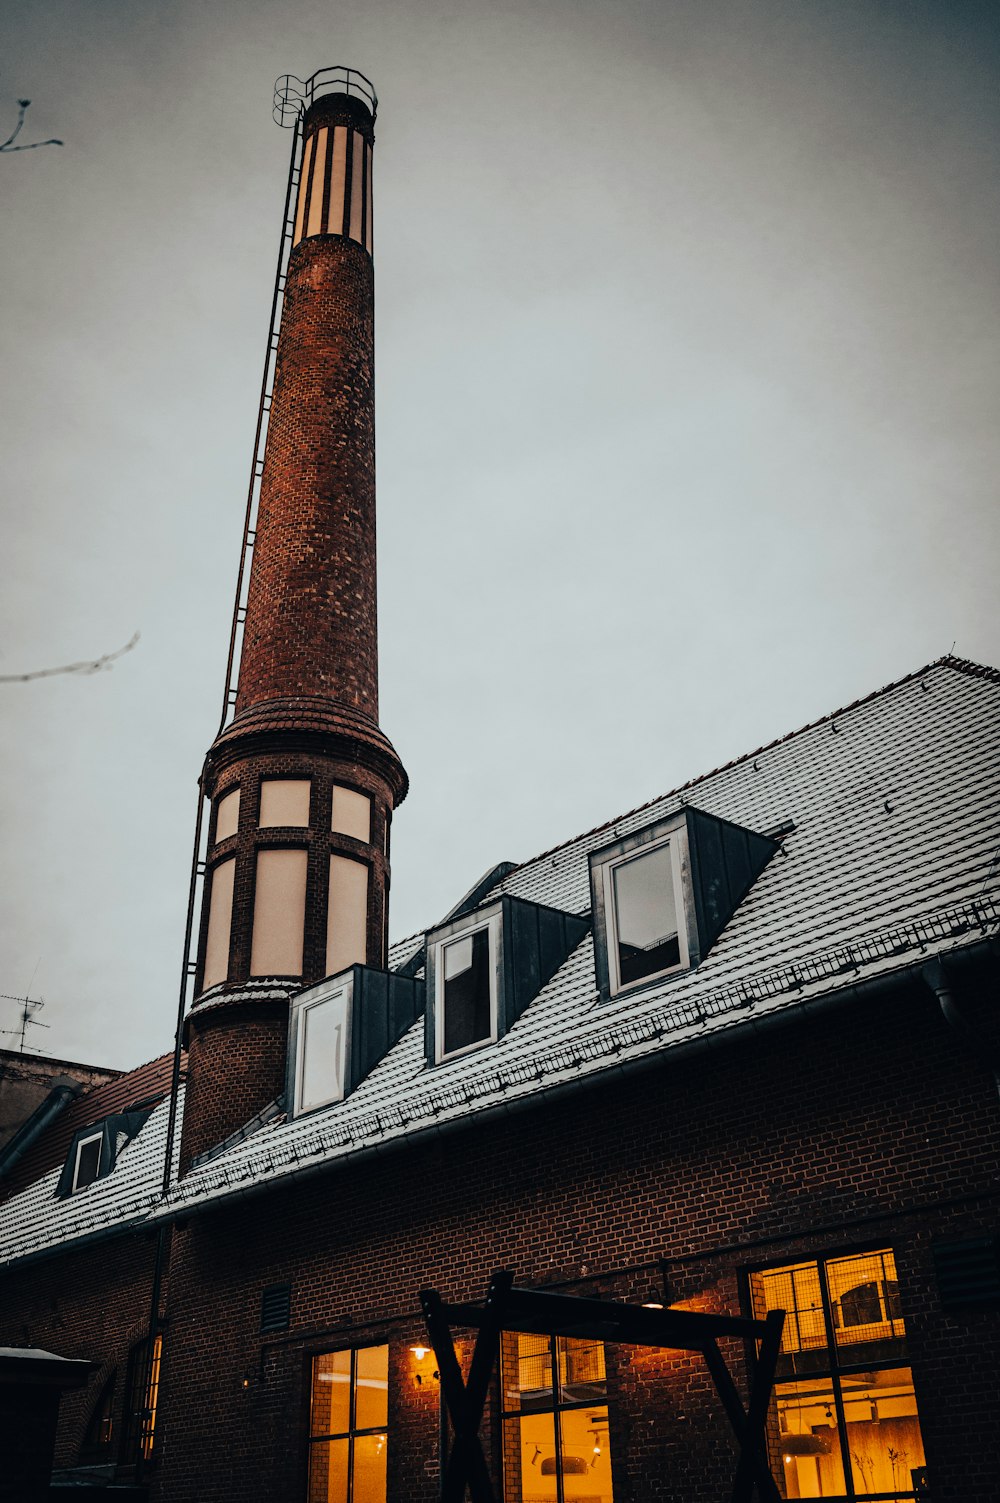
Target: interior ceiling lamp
<point>805,1445</point>
<point>573,1466</point>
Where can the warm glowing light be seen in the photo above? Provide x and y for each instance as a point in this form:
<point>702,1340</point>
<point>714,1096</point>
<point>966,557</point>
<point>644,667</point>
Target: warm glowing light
<point>420,1352</point>
<point>787,1460</point>
<point>651,1304</point>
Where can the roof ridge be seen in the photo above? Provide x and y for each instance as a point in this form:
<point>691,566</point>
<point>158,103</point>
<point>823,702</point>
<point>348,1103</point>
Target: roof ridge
<point>961,665</point>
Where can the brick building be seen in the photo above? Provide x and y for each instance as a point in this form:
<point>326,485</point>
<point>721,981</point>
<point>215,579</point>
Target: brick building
<point>730,1053</point>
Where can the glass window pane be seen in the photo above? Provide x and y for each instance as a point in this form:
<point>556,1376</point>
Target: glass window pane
<point>321,1042</point>
<point>645,915</point>
<point>331,1394</point>
<point>530,1465</point>
<point>328,1462</point>
<point>883,1431</point>
<point>586,1455</point>
<point>369,1469</point>
<point>809,1441</point>
<point>88,1161</point>
<point>371,1410</point>
<point>534,1371</point>
<point>582,1375</point>
<point>864,1297</point>
<point>796,1290</point>
<point>465,991</point>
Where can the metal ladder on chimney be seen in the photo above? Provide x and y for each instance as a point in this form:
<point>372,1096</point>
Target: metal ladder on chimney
<point>199,857</point>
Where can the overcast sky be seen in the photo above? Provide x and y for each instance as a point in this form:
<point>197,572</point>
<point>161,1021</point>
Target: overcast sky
<point>687,358</point>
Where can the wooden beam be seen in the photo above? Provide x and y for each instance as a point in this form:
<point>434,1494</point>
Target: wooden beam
<point>538,1311</point>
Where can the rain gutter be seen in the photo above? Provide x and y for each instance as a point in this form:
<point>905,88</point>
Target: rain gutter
<point>786,1016</point>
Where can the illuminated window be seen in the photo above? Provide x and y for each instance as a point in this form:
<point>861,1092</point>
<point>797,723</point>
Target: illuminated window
<point>844,1423</point>
<point>555,1422</point>
<point>465,989</point>
<point>142,1392</point>
<point>348,1421</point>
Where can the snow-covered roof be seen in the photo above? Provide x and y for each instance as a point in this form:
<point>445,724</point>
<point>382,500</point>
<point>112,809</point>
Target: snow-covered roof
<point>36,1220</point>
<point>891,856</point>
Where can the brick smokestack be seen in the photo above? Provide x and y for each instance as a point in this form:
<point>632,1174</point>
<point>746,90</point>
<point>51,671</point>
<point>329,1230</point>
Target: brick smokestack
<point>302,782</point>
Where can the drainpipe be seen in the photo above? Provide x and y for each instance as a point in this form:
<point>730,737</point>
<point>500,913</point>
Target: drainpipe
<point>940,983</point>
<point>63,1091</point>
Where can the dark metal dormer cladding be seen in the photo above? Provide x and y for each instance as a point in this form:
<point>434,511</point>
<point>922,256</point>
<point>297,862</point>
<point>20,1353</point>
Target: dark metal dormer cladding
<point>94,1150</point>
<point>339,1030</point>
<point>663,895</point>
<point>485,967</point>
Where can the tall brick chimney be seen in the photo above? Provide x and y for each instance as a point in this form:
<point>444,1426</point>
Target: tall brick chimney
<point>302,781</point>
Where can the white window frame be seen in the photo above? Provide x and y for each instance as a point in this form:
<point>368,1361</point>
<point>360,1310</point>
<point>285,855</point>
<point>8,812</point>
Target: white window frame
<point>328,991</point>
<point>492,923</point>
<point>604,864</point>
<point>93,1137</point>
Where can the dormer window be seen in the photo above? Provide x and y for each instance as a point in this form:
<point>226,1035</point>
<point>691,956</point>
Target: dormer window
<point>663,895</point>
<point>319,1047</point>
<point>87,1160</point>
<point>644,895</point>
<point>94,1150</point>
<point>485,967</point>
<point>466,989</point>
<point>340,1029</point>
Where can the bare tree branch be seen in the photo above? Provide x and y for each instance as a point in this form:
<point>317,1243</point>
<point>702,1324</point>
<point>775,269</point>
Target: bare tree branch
<point>94,665</point>
<point>8,145</point>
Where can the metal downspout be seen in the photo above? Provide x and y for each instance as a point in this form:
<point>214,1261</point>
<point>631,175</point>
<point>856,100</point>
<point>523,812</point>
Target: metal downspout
<point>63,1091</point>
<point>937,978</point>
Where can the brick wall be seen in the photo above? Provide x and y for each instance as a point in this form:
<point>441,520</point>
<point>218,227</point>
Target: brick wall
<point>863,1129</point>
<point>92,1304</point>
<point>311,611</point>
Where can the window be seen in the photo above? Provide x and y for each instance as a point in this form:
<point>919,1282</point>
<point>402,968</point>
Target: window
<point>87,1165</point>
<point>641,897</point>
<point>465,989</point>
<point>318,1046</point>
<point>220,924</point>
<point>555,1420</point>
<point>227,815</point>
<point>352,814</point>
<point>142,1392</point>
<point>348,1420</point>
<point>844,1422</point>
<point>279,913</point>
<point>284,801</point>
<point>99,1433</point>
<point>95,1149</point>
<point>662,896</point>
<point>347,915</point>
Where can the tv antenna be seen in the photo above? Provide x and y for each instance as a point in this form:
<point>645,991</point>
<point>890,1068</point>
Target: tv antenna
<point>29,1006</point>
